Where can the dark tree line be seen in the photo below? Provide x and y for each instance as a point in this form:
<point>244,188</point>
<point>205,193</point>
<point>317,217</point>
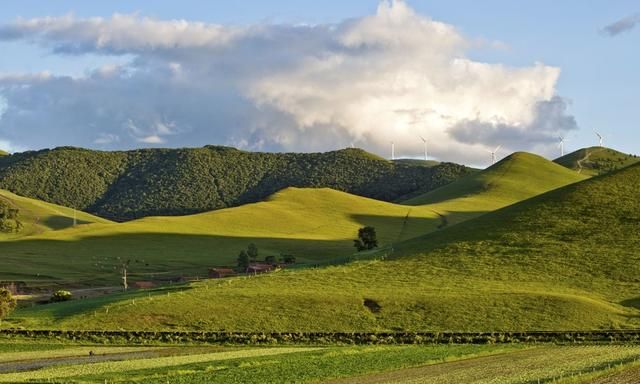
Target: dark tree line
<point>124,185</point>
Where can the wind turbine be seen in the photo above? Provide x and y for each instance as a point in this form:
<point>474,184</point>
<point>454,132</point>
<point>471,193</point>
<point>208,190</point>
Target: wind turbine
<point>493,154</point>
<point>426,148</point>
<point>393,151</point>
<point>600,138</point>
<point>561,145</point>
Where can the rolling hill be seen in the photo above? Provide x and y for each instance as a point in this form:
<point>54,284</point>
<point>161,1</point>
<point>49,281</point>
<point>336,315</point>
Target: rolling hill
<point>38,217</point>
<point>126,185</point>
<point>596,160</point>
<point>314,225</point>
<point>3,153</point>
<point>515,178</point>
<point>563,260</point>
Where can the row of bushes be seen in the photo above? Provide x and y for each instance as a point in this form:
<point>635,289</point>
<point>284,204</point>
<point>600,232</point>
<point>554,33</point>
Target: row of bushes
<point>345,338</point>
<point>124,185</point>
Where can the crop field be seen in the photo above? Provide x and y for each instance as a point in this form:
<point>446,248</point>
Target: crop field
<point>444,364</point>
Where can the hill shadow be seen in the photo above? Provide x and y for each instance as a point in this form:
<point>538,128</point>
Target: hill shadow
<point>57,222</point>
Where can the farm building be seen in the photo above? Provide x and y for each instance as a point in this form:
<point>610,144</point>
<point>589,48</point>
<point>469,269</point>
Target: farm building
<point>255,268</point>
<point>217,273</point>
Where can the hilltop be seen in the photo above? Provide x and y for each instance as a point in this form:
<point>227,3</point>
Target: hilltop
<point>313,225</point>
<point>596,160</point>
<point>38,217</point>
<point>125,185</point>
<point>541,264</point>
<point>517,177</point>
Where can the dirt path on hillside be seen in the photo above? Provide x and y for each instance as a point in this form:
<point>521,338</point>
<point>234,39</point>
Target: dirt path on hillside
<point>31,365</point>
<point>585,158</point>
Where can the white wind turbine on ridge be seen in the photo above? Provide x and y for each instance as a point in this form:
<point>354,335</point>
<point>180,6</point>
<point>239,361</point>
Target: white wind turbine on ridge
<point>561,144</point>
<point>426,148</point>
<point>493,154</point>
<point>600,138</point>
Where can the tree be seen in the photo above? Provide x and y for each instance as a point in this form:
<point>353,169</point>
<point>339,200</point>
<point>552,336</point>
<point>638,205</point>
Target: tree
<point>7,302</point>
<point>243,261</point>
<point>270,259</point>
<point>9,219</point>
<point>367,239</point>
<point>252,251</point>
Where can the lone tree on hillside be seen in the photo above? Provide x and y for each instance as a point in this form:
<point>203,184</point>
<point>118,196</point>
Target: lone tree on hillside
<point>243,261</point>
<point>366,240</point>
<point>7,302</point>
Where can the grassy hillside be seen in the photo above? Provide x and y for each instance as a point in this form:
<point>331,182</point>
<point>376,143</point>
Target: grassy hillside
<point>596,160</point>
<point>38,217</point>
<point>3,153</point>
<point>564,260</point>
<point>517,177</point>
<point>314,225</point>
<point>151,182</point>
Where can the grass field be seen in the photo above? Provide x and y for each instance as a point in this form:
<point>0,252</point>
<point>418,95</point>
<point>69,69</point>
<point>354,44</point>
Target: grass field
<point>315,225</point>
<point>517,177</point>
<point>537,265</point>
<point>312,224</point>
<point>443,364</point>
<point>39,217</point>
<point>596,160</point>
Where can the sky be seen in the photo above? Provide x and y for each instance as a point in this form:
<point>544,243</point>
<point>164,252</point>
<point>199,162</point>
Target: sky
<point>466,76</point>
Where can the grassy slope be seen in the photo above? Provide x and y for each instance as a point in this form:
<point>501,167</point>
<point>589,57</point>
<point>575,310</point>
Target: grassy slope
<point>515,178</point>
<point>38,216</point>
<point>596,160</point>
<point>312,224</point>
<point>563,260</point>
<point>3,153</point>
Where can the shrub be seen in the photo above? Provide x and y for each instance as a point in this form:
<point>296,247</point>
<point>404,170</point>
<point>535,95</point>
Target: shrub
<point>60,295</point>
<point>7,302</point>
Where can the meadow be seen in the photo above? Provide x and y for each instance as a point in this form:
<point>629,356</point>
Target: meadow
<point>537,265</point>
<point>317,226</point>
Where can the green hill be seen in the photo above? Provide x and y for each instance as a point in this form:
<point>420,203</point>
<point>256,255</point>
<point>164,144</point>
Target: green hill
<point>3,153</point>
<point>596,160</point>
<point>314,225</point>
<point>566,259</point>
<point>151,182</point>
<point>38,217</point>
<point>515,178</point>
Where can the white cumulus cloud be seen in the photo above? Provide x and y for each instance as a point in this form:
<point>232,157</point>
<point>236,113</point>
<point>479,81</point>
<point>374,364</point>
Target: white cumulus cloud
<point>390,76</point>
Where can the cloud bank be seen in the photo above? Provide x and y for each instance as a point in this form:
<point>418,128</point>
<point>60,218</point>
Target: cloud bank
<point>390,76</point>
<point>622,25</point>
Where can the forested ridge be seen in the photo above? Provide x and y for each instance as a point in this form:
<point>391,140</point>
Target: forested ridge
<point>125,185</point>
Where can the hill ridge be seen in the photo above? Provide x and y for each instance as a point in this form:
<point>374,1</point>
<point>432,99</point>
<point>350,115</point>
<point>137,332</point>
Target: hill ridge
<point>125,185</point>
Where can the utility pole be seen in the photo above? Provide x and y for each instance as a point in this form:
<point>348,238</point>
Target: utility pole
<point>125,284</point>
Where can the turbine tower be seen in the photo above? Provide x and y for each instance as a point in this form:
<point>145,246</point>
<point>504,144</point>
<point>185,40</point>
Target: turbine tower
<point>393,151</point>
<point>426,148</point>
<point>493,154</point>
<point>600,138</point>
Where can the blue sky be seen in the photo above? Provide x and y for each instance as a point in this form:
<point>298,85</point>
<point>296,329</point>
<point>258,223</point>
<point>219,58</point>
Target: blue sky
<point>599,75</point>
